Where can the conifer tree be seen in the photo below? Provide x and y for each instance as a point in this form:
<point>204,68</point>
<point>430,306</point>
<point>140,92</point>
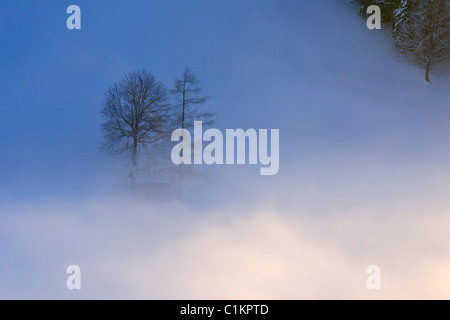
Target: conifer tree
<point>422,32</point>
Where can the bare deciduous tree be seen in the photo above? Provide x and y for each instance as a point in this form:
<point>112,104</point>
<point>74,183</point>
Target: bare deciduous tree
<point>135,114</point>
<point>186,109</point>
<point>188,101</point>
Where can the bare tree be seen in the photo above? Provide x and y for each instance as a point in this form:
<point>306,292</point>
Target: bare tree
<point>187,109</point>
<point>135,112</point>
<point>422,32</point>
<point>188,101</point>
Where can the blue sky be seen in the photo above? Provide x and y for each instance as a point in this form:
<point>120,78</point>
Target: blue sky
<point>54,79</point>
<point>313,71</point>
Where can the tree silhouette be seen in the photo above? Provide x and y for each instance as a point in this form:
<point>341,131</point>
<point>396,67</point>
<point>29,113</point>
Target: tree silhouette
<point>136,115</point>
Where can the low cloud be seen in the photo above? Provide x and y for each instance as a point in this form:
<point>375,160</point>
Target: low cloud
<point>131,250</point>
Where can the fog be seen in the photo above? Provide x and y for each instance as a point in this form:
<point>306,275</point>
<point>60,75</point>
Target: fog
<point>127,250</point>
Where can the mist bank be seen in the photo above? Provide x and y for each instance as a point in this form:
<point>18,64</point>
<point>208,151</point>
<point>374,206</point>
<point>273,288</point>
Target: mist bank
<point>128,250</point>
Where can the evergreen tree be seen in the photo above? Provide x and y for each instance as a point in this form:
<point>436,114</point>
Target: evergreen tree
<point>422,32</point>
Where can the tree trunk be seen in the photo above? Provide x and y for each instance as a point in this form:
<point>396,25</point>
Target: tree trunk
<point>184,102</point>
<point>180,171</point>
<point>133,154</point>
<point>427,72</point>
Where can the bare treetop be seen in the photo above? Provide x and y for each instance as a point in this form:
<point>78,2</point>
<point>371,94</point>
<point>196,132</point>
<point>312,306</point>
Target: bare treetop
<point>136,113</point>
<point>188,101</point>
